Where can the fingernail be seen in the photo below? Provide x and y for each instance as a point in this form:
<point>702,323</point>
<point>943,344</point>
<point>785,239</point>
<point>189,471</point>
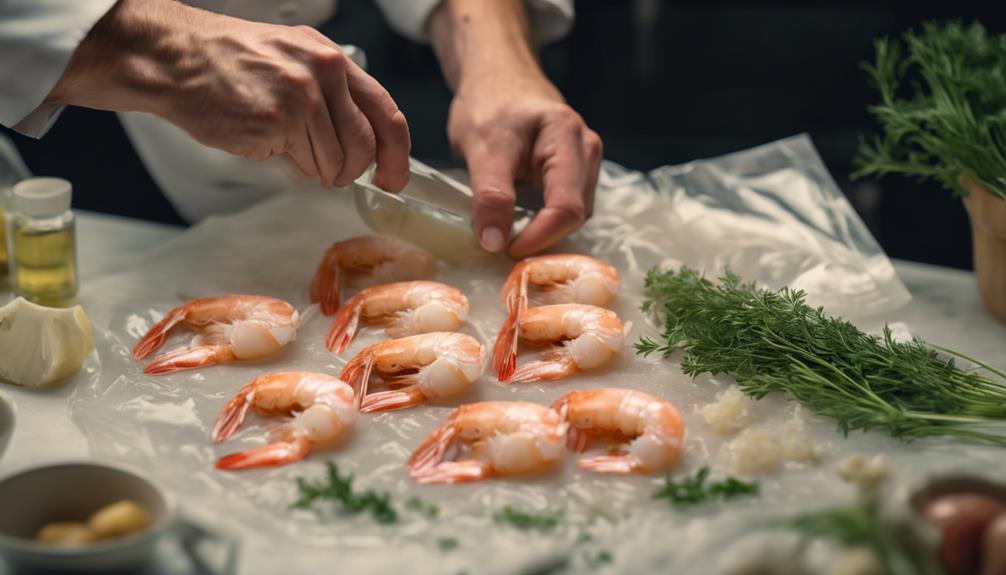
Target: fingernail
<point>491,239</point>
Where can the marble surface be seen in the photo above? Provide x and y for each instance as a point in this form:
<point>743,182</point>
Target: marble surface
<point>945,310</point>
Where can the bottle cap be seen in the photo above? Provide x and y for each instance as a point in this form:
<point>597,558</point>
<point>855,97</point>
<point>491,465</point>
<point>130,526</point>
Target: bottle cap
<point>42,197</point>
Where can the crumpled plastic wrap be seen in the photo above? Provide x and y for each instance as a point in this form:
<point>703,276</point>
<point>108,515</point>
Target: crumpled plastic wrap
<point>772,214</point>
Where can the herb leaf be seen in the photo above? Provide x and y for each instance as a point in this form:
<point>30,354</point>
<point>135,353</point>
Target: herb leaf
<point>525,521</point>
<point>693,490</point>
<point>430,510</point>
<point>772,341</point>
<point>339,489</point>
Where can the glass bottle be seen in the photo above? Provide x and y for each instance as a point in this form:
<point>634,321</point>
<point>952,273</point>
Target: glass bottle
<point>43,242</point>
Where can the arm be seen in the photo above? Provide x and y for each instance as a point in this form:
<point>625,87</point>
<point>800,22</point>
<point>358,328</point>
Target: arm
<point>509,122</point>
<point>248,88</point>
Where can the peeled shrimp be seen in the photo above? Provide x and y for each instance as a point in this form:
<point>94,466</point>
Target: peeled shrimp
<point>653,426</point>
<point>404,308</point>
<point>383,259</point>
<point>562,278</point>
<point>589,335</point>
<point>323,409</point>
<point>505,437</point>
<point>440,364</point>
<point>230,328</point>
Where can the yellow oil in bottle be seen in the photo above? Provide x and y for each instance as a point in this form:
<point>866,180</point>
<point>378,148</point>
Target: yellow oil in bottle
<point>45,264</point>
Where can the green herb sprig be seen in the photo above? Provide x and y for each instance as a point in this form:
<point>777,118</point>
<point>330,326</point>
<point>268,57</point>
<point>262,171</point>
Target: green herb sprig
<point>525,521</point>
<point>942,107</point>
<point>339,489</point>
<point>772,341</point>
<point>430,510</point>
<point>694,489</point>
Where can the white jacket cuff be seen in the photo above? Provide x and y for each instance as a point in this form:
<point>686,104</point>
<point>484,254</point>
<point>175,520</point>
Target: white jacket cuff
<point>37,39</point>
<point>550,20</point>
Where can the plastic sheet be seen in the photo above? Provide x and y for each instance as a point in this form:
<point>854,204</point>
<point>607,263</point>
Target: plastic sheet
<point>772,214</point>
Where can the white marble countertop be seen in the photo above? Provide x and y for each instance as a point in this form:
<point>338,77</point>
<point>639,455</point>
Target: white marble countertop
<point>944,310</point>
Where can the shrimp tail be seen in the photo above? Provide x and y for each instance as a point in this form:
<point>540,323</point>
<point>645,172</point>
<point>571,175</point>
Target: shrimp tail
<point>614,464</point>
<point>344,325</point>
<point>233,414</point>
<point>157,334</point>
<point>432,450</point>
<point>554,365</point>
<point>505,352</point>
<point>453,472</point>
<point>392,400</point>
<point>279,453</point>
<point>325,285</point>
<point>189,358</point>
<point>360,369</point>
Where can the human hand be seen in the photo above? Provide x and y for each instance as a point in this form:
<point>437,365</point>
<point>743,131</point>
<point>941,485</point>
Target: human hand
<point>249,88</point>
<point>515,126</point>
<point>510,123</point>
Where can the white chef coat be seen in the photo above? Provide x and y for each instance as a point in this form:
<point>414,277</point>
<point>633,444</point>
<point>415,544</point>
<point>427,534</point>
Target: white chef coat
<point>37,38</point>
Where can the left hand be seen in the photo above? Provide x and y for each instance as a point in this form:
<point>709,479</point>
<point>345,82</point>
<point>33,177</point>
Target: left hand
<point>513,125</point>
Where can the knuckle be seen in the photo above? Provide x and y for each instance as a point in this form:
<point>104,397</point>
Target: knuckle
<point>331,59</point>
<point>565,115</point>
<point>571,212</point>
<point>593,144</point>
<point>297,79</point>
<point>272,114</point>
<point>494,199</point>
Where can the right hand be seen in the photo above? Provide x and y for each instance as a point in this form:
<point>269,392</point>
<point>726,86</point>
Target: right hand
<point>249,88</point>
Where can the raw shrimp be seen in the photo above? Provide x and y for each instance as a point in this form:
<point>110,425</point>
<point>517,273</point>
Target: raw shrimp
<point>383,258</point>
<point>323,408</point>
<point>562,278</point>
<point>404,308</point>
<point>652,424</point>
<point>230,327</point>
<point>590,336</point>
<point>440,364</point>
<point>505,437</point>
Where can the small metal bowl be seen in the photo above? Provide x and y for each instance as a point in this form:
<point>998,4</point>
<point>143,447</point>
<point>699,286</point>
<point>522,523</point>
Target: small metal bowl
<point>73,491</point>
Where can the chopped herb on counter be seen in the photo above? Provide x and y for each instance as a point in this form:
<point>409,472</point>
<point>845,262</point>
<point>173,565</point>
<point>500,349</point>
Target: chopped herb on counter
<point>339,489</point>
<point>772,341</point>
<point>595,561</point>
<point>430,510</point>
<point>693,490</point>
<point>524,521</point>
<point>447,543</point>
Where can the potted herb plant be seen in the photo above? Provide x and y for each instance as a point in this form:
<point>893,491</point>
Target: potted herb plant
<point>942,117</point>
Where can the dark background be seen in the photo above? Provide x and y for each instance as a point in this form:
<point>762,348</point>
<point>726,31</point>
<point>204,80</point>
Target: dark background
<point>662,82</point>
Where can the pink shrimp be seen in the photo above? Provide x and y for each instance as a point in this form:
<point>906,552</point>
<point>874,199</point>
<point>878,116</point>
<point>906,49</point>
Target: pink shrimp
<point>323,408</point>
<point>404,308</point>
<point>653,426</point>
<point>230,328</point>
<point>383,259</point>
<point>505,437</point>
<point>444,364</point>
<point>590,336</point>
<point>562,278</point>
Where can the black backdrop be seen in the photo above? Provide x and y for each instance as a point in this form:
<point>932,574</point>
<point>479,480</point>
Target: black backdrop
<point>661,81</point>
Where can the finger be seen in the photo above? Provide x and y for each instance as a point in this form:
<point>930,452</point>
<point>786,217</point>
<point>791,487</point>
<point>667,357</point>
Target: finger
<point>325,147</point>
<point>356,137</point>
<point>564,176</point>
<point>593,149</point>
<point>299,149</point>
<point>492,169</point>
<point>390,129</point>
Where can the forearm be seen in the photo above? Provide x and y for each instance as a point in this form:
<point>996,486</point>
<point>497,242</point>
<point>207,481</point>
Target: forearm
<point>131,59</point>
<point>473,38</point>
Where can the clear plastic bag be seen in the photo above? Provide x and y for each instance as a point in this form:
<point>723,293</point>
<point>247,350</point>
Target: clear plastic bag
<point>772,214</point>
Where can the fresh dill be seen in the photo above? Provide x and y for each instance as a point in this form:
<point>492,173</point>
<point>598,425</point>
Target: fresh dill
<point>430,510</point>
<point>525,521</point>
<point>694,489</point>
<point>339,489</point>
<point>447,544</point>
<point>772,341</point>
<point>597,560</point>
<point>942,109</point>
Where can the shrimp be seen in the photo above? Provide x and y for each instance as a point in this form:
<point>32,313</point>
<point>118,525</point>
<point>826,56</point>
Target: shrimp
<point>405,308</point>
<point>383,258</point>
<point>653,425</point>
<point>323,408</point>
<point>505,437</point>
<point>230,327</point>
<point>590,337</point>
<point>563,278</point>
<point>440,364</point>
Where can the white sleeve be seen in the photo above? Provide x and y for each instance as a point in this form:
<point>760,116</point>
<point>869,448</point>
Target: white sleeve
<point>37,38</point>
<point>549,19</point>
